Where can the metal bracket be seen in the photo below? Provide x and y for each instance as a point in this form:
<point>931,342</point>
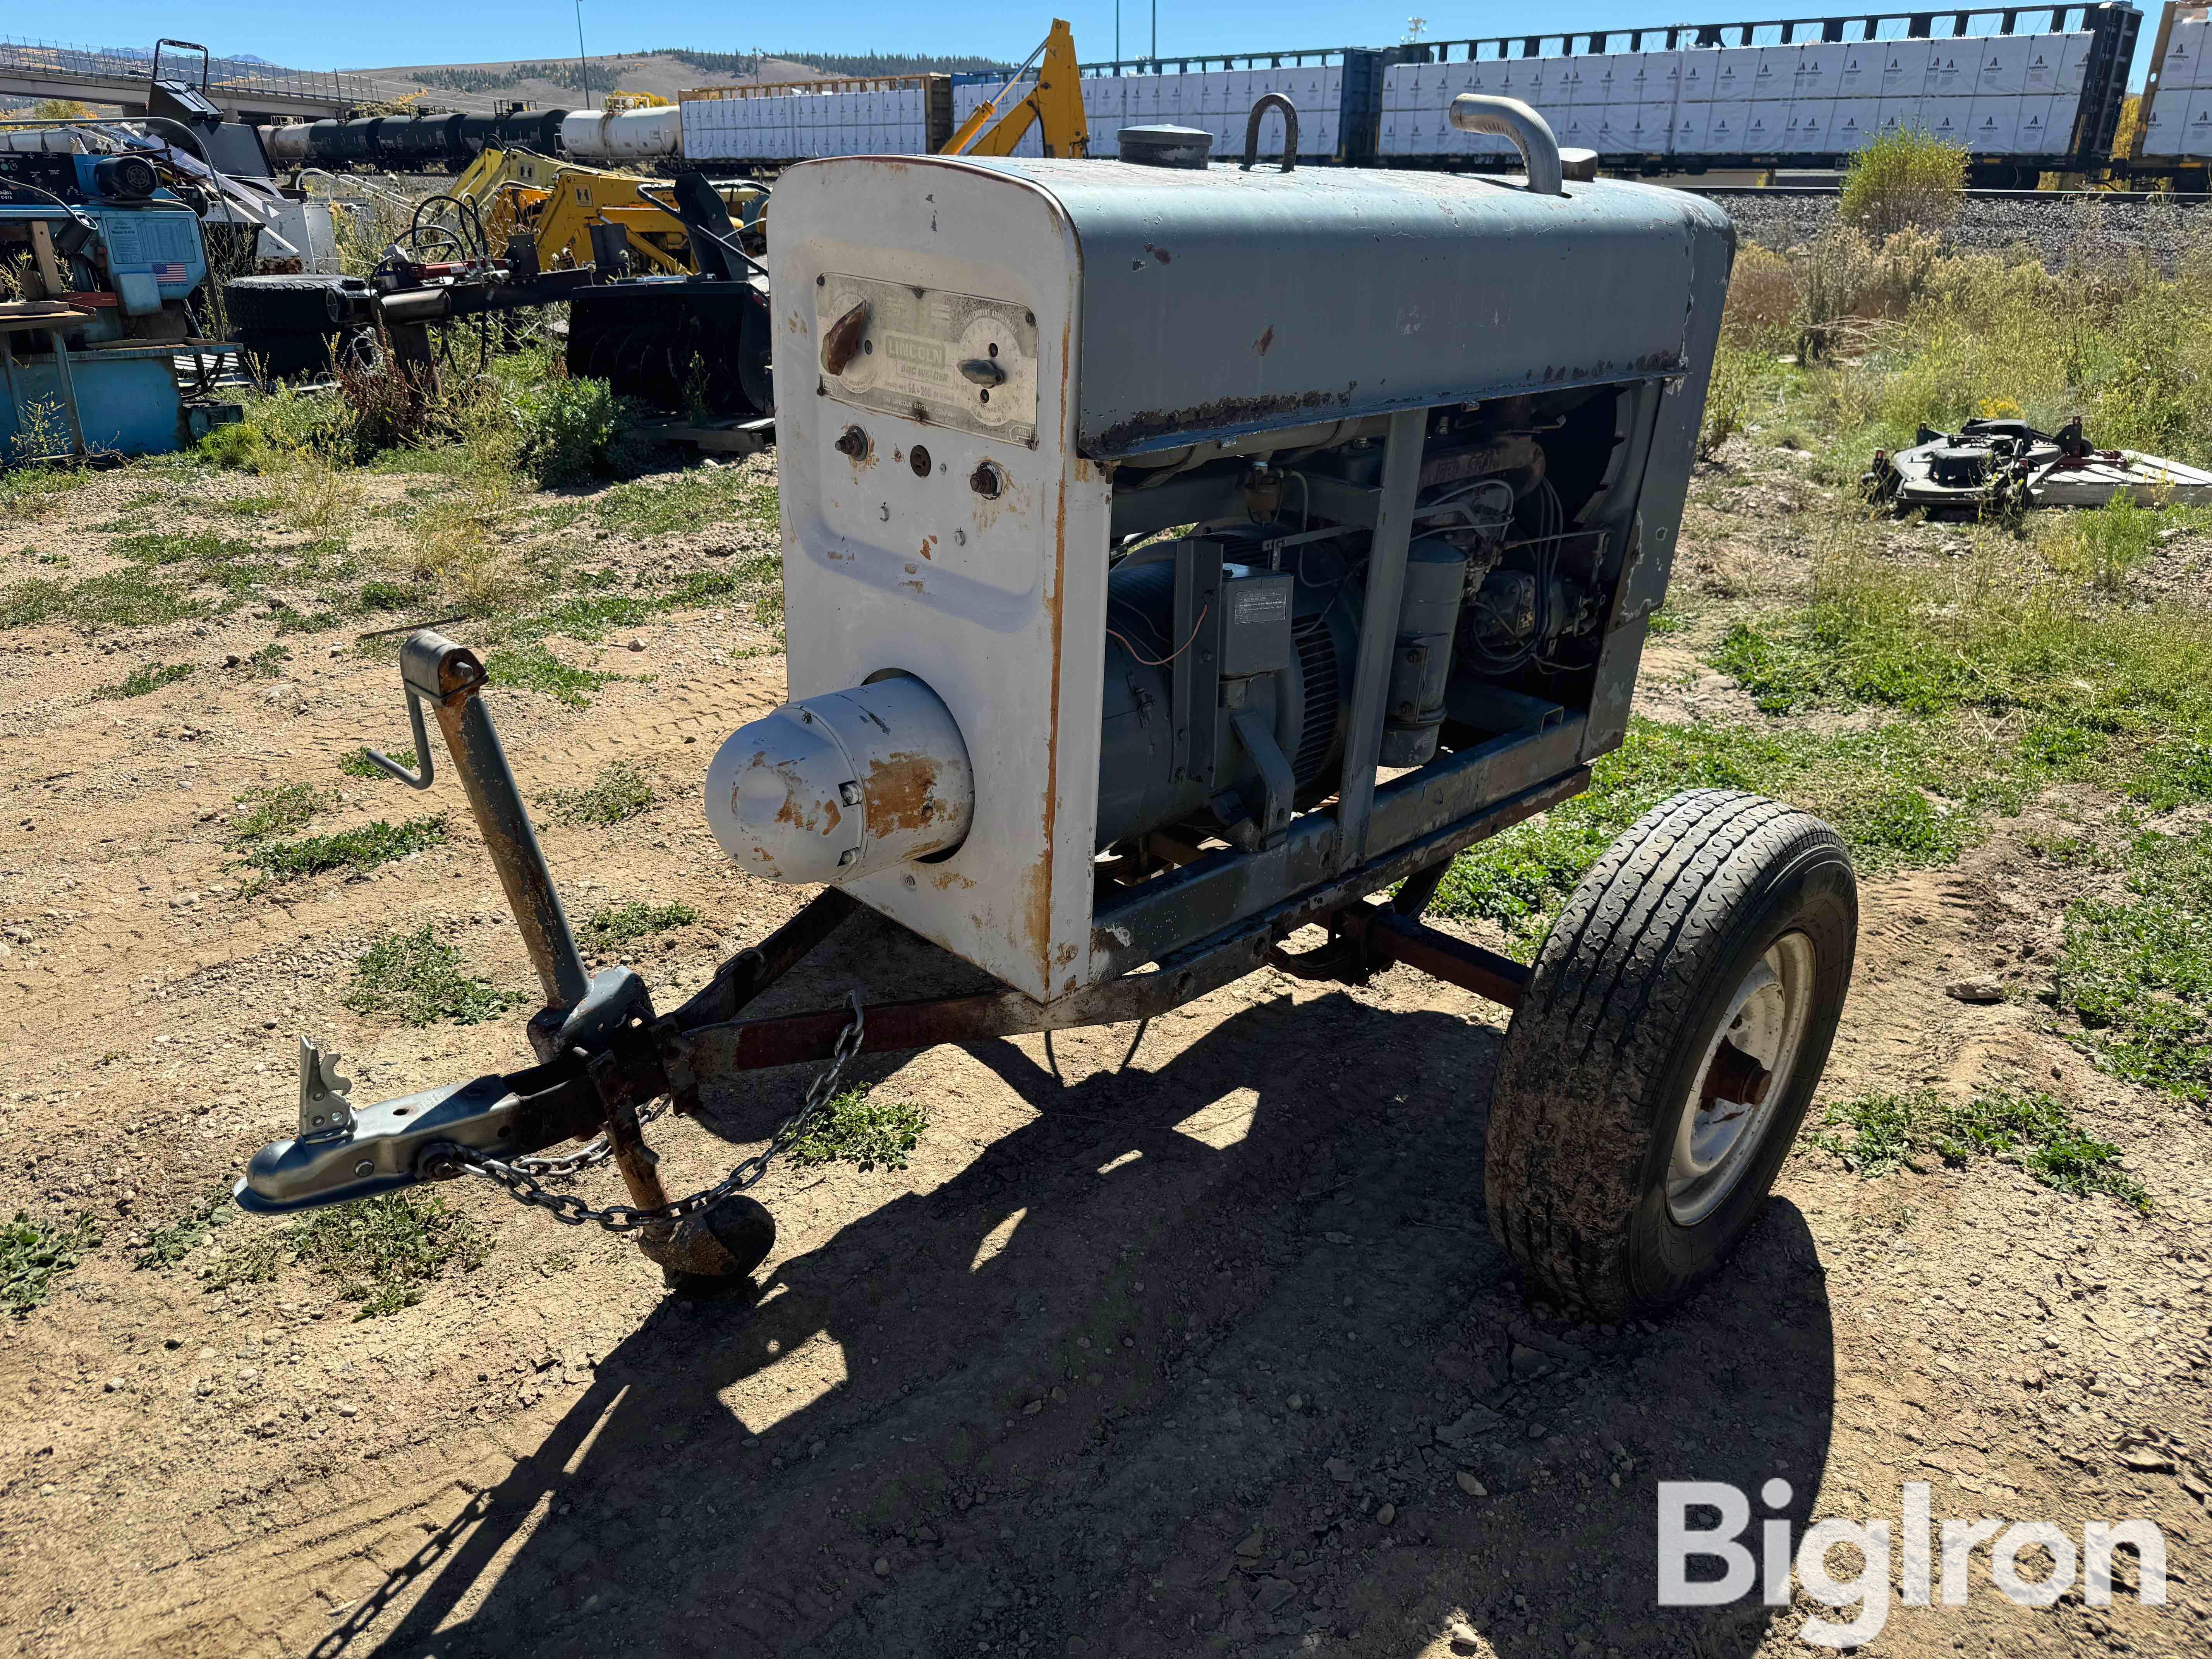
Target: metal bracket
<point>1276,778</point>
<point>325,1113</point>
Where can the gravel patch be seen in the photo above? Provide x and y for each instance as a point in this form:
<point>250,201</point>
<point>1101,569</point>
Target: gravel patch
<point>2066,231</point>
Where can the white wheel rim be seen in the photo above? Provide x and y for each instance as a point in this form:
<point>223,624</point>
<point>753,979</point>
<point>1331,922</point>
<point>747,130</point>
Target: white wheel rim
<point>1717,1138</point>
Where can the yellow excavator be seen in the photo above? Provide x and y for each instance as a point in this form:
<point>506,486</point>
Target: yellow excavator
<point>1055,105</point>
<point>557,203</point>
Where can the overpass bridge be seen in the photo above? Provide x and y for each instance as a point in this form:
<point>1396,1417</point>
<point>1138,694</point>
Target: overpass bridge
<point>247,91</point>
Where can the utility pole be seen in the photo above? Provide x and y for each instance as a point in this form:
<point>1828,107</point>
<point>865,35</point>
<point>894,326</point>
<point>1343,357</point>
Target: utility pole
<point>583,67</point>
<point>1156,33</point>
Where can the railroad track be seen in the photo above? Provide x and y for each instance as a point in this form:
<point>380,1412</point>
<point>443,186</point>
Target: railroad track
<point>2127,197</point>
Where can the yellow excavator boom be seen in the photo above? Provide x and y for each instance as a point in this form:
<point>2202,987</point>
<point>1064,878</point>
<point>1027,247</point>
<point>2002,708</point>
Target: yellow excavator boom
<point>1055,105</point>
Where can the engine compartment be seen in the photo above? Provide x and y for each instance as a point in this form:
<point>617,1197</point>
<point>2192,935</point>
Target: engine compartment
<point>1511,572</point>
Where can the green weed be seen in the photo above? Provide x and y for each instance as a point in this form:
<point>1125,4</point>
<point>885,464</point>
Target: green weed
<point>869,1133</point>
<point>121,598</point>
<point>355,762</point>
<point>571,430</point>
<point>533,667</point>
<point>1873,787</point>
<point>417,979</point>
<point>2137,972</point>
<point>171,1243</point>
<point>143,680</point>
<point>1876,1134</point>
<point>614,926</point>
<point>34,1254</point>
<point>1905,178</point>
<point>258,814</point>
<point>692,500</point>
<point>28,491</point>
<point>620,792</point>
<point>383,1251</point>
<point>358,849</point>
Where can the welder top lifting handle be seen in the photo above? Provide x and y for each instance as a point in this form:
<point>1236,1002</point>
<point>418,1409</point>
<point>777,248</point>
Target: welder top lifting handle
<point>1265,102</point>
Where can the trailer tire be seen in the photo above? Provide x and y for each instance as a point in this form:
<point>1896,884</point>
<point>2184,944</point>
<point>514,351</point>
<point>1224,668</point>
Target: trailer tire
<point>290,304</point>
<point>1615,1175</point>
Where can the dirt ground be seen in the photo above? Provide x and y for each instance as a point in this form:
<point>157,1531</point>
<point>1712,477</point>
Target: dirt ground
<point>1200,1349</point>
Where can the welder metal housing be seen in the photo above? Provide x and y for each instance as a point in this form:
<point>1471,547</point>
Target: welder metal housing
<point>991,376</point>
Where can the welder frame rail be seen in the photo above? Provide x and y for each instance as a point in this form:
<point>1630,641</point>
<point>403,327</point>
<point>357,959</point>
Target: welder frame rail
<point>704,1042</point>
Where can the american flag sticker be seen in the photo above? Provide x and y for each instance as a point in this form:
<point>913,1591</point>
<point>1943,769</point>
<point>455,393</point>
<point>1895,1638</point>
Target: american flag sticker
<point>170,271</point>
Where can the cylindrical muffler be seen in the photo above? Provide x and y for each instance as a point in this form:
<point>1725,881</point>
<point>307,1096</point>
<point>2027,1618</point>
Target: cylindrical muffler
<point>837,787</point>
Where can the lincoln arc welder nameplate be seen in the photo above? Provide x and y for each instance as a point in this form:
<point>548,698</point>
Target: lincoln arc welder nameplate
<point>955,360</point>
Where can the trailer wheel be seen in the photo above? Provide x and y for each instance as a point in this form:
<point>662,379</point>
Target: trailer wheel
<point>1675,1027</point>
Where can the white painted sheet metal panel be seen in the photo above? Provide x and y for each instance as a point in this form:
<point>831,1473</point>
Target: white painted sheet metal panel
<point>888,570</point>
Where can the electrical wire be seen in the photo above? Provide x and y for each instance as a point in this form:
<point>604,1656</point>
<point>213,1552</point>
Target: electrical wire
<point>1162,662</point>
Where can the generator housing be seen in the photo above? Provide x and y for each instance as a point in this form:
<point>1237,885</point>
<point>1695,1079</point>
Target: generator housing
<point>1163,542</point>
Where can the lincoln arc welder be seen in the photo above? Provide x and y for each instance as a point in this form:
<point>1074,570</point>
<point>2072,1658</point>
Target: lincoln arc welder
<point>1176,556</point>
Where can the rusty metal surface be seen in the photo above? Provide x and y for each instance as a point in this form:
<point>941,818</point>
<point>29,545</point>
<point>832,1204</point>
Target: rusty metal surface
<point>1393,937</point>
<point>1202,318</point>
<point>1447,804</point>
<point>751,971</point>
<point>452,677</point>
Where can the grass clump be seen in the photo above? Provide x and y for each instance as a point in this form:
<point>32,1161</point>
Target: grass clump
<point>2101,547</point>
<point>612,926</point>
<point>868,1134</point>
<point>121,598</point>
<point>384,1251</point>
<point>28,492</point>
<point>34,1253</point>
<point>2089,689</point>
<point>258,814</point>
<point>417,979</point>
<point>2137,971</point>
<point>1876,1134</point>
<point>1874,786</point>
<point>358,849</point>
<point>170,1243</point>
<point>692,500</point>
<point>1906,179</point>
<point>355,762</point>
<point>533,667</point>
<point>143,681</point>
<point>572,429</point>
<point>619,794</point>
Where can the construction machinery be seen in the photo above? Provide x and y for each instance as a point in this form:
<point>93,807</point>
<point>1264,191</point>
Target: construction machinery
<point>558,205</point>
<point>1053,104</point>
<point>105,266</point>
<point>1179,558</point>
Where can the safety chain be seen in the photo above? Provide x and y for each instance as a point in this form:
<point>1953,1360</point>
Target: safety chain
<point>520,1177</point>
<point>600,1149</point>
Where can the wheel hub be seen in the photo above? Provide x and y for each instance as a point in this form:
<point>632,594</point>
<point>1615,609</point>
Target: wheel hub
<point>1730,1107</point>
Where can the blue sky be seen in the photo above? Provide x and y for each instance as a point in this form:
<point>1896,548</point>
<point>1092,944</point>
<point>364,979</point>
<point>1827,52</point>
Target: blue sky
<point>332,36</point>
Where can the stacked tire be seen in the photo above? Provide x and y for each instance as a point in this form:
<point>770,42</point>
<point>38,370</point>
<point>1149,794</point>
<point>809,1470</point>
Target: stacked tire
<point>289,325</point>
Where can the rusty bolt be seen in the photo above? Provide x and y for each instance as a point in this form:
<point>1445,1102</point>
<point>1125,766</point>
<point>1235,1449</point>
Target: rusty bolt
<point>987,481</point>
<point>853,442</point>
<point>849,793</point>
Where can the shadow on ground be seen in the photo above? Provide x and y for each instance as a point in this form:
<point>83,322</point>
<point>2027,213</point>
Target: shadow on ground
<point>1247,1354</point>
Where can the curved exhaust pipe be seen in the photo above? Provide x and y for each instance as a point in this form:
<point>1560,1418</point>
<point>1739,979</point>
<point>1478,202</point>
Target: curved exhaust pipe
<point>1532,134</point>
